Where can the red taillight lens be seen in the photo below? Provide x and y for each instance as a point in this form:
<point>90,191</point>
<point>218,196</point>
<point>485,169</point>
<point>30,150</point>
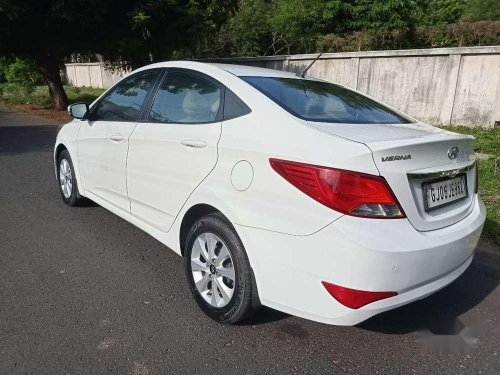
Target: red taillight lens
<point>349,192</point>
<point>476,183</point>
<point>353,298</point>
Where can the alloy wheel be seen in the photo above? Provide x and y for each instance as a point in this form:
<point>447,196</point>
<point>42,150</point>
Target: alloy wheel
<point>213,270</point>
<point>65,178</point>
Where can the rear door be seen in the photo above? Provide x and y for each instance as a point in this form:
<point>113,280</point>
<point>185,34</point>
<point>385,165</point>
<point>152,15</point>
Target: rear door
<point>175,146</point>
<point>103,139</point>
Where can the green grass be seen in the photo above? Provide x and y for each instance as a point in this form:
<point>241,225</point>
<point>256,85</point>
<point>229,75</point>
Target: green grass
<point>40,96</point>
<point>487,142</point>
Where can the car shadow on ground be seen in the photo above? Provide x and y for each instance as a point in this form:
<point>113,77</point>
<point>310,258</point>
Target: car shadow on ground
<point>264,316</point>
<point>439,312</point>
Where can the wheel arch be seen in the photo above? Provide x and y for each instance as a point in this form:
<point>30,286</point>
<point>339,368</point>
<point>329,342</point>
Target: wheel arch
<point>61,146</point>
<point>57,151</point>
<point>192,214</point>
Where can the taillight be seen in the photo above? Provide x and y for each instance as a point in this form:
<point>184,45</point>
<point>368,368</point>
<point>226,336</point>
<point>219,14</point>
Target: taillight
<point>351,193</point>
<point>353,298</point>
<point>476,183</point>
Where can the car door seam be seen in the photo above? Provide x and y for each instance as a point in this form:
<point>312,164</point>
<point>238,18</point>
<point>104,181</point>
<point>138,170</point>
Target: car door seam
<point>204,178</point>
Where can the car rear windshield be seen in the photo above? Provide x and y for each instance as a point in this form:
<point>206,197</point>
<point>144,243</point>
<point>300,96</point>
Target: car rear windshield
<point>323,101</point>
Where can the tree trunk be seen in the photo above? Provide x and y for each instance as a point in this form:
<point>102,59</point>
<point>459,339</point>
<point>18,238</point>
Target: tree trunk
<point>49,66</point>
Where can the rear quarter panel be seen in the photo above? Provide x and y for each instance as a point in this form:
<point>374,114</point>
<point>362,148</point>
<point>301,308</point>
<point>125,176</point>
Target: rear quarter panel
<point>270,202</point>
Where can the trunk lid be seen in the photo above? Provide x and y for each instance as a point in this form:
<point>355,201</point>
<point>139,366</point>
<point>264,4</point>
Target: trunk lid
<point>410,155</point>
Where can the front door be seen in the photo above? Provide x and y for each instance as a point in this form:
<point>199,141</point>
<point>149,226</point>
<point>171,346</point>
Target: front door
<point>103,139</point>
<point>175,147</point>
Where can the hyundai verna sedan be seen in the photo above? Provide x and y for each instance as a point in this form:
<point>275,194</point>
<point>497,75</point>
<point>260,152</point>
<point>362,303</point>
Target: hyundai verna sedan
<point>297,194</point>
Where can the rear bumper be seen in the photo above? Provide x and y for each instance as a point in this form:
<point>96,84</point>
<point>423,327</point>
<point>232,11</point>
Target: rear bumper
<point>363,254</point>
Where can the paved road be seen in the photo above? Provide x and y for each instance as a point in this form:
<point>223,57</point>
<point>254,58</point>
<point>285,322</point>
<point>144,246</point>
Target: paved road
<point>82,291</point>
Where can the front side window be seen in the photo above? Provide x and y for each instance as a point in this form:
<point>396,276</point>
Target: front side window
<point>124,102</point>
<point>185,98</point>
<point>323,101</point>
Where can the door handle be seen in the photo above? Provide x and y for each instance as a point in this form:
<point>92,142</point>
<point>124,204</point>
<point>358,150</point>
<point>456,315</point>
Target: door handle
<point>116,137</point>
<point>194,143</point>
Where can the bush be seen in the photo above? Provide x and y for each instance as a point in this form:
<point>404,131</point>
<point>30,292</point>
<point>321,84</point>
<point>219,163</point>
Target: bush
<point>485,33</point>
<point>452,35</point>
<point>4,62</point>
<point>363,41</point>
<point>22,75</point>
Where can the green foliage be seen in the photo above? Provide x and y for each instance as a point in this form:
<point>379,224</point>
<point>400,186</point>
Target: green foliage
<point>262,27</point>
<point>381,15</point>
<point>248,32</point>
<point>485,33</point>
<point>266,27</point>
<point>134,31</point>
<point>452,35</point>
<point>40,95</point>
<point>482,10</point>
<point>487,142</point>
<point>438,12</point>
<point>22,75</point>
<point>4,62</point>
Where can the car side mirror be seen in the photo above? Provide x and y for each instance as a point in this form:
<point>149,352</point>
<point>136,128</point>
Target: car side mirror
<point>79,110</point>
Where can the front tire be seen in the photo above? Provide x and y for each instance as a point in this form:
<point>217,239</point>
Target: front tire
<point>218,271</point>
<point>67,180</point>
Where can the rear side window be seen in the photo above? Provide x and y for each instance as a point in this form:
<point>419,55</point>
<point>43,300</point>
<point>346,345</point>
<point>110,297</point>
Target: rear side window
<point>323,101</point>
<point>124,102</point>
<point>186,98</point>
<point>234,106</point>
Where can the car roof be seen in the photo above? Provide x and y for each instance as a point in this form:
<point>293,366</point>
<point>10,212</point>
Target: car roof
<point>254,71</point>
<point>237,70</point>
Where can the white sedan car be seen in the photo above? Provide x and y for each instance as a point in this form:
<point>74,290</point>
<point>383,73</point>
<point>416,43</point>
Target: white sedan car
<point>297,194</point>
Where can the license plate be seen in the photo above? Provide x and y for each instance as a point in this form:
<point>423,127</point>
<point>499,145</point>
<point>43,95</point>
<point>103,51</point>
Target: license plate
<point>444,192</point>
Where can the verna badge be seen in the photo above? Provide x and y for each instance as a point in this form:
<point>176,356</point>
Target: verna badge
<point>453,152</point>
<point>396,157</point>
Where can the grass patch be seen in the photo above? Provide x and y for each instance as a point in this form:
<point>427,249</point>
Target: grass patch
<point>487,142</point>
<point>40,96</point>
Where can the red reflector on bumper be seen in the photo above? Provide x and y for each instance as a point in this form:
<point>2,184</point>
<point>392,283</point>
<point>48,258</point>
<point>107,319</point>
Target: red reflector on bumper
<point>353,298</point>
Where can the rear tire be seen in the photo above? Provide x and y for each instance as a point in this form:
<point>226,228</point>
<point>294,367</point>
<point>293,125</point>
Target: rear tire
<point>218,271</point>
<point>67,180</point>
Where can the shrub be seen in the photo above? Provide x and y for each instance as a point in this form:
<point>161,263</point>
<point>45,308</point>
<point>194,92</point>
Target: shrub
<point>452,35</point>
<point>4,62</point>
<point>22,75</point>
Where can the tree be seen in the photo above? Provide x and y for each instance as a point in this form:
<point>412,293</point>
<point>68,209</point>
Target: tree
<point>439,12</point>
<point>479,10</point>
<point>381,15</point>
<point>248,32</point>
<point>294,26</point>
<point>136,31</point>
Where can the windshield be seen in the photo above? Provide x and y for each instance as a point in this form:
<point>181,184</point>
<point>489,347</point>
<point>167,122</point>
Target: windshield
<point>323,101</point>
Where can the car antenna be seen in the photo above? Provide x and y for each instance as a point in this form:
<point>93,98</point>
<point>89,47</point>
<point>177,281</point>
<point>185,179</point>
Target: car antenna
<point>303,73</point>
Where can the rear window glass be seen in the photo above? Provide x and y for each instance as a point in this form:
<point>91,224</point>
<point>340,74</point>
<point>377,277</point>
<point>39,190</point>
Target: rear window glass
<point>323,101</point>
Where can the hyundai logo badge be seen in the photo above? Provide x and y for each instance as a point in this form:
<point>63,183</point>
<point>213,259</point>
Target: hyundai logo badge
<point>453,152</point>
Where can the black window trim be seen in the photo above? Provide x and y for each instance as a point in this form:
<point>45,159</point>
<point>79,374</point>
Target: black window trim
<point>246,109</point>
<point>194,73</point>
<point>151,89</point>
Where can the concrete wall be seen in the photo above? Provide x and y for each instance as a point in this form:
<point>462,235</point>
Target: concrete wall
<point>442,86</point>
<point>91,75</point>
